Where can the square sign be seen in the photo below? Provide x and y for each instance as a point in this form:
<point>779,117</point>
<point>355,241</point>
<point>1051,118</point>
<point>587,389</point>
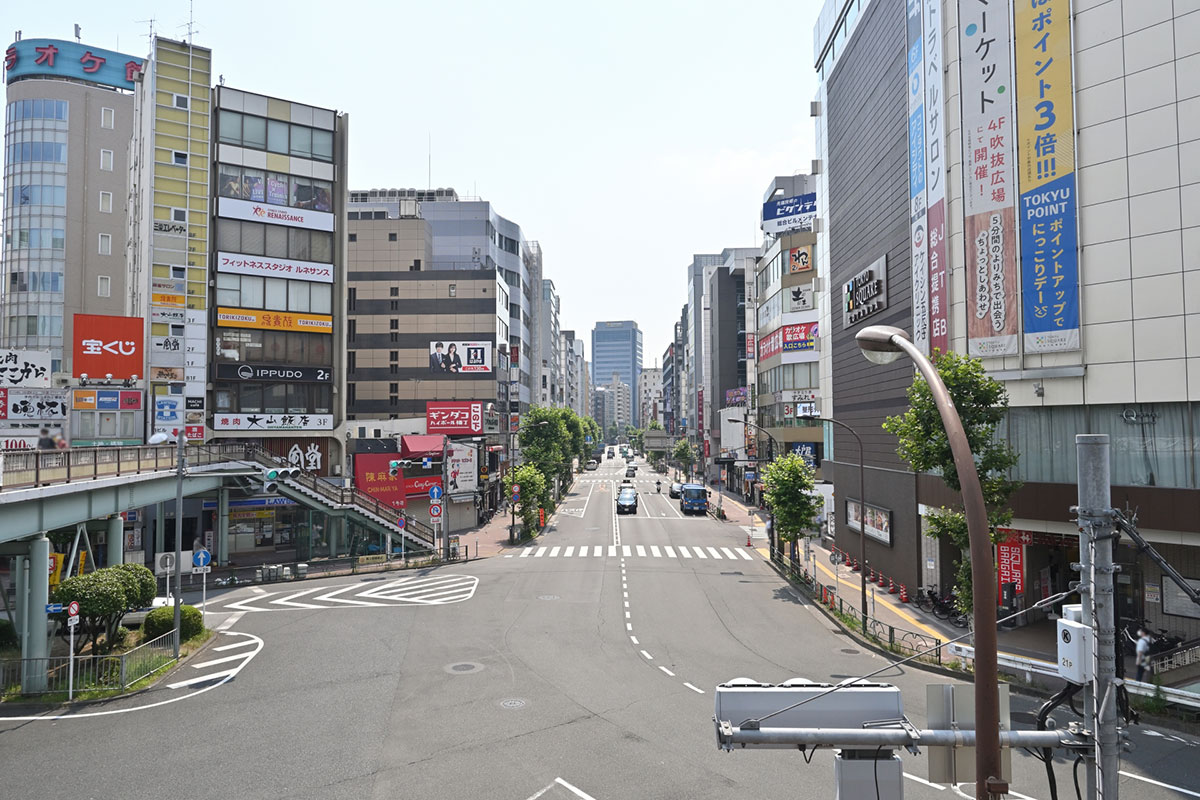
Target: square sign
<point>426,462</point>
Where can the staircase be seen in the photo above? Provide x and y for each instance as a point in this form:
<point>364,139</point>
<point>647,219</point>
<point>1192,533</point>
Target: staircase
<point>365,509</point>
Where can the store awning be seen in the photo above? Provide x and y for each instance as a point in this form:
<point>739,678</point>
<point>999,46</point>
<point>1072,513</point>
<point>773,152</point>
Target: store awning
<point>420,446</point>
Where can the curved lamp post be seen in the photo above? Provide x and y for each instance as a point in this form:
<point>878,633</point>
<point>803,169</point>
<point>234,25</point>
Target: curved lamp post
<point>862,506</point>
<point>883,344</point>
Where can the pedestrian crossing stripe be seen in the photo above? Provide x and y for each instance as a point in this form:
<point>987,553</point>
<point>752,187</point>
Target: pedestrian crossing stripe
<point>638,551</point>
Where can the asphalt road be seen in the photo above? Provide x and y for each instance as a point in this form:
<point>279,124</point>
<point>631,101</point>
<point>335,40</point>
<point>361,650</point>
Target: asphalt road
<point>550,671</point>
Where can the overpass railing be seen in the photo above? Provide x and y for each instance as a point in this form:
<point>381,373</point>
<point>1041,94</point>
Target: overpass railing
<point>23,469</point>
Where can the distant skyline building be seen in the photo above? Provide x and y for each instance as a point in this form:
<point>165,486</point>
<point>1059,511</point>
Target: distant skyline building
<point>617,348</point>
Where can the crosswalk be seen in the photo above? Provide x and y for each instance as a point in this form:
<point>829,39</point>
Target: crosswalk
<point>430,590</point>
<point>678,552</point>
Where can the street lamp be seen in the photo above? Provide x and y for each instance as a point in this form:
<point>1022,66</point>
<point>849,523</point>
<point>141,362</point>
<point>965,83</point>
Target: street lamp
<point>862,507</point>
<point>774,441</point>
<point>883,344</point>
<point>180,438</point>
<point>512,526</point>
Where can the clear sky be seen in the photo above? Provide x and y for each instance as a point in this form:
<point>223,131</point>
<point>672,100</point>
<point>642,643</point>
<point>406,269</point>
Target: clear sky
<point>623,135</point>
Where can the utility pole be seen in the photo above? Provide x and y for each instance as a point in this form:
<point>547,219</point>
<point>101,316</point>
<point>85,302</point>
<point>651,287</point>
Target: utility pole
<point>1096,586</point>
<point>444,527</point>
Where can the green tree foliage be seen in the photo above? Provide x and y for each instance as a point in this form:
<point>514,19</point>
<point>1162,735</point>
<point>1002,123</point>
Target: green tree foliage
<point>654,425</point>
<point>982,403</point>
<point>139,582</point>
<point>534,493</point>
<point>789,481</point>
<point>162,620</point>
<point>684,454</point>
<point>544,440</point>
<point>636,438</point>
<point>102,604</point>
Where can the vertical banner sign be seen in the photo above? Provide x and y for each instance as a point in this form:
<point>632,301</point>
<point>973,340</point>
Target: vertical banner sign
<point>935,183</point>
<point>985,74</point>
<point>1010,562</point>
<point>1046,176</point>
<point>916,178</point>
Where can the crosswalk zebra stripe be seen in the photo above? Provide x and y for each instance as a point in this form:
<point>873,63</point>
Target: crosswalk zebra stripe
<point>699,551</point>
<point>654,551</point>
<point>625,551</point>
<point>570,551</point>
<point>729,553</point>
<point>714,552</point>
<point>598,551</point>
<point>686,553</point>
<point>526,552</point>
<point>641,551</point>
<point>541,551</point>
<point>745,555</point>
<point>670,550</point>
<point>554,551</point>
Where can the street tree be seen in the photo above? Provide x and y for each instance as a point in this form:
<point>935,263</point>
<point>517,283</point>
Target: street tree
<point>534,493</point>
<point>104,597</point>
<point>982,403</point>
<point>788,482</point>
<point>545,446</point>
<point>684,454</point>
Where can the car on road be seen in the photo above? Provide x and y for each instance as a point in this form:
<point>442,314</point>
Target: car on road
<point>627,501</point>
<point>592,464</point>
<point>630,471</point>
<point>693,498</point>
<point>676,488</point>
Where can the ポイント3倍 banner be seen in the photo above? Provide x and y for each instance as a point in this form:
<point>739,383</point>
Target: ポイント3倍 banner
<point>1046,176</point>
<point>985,73</point>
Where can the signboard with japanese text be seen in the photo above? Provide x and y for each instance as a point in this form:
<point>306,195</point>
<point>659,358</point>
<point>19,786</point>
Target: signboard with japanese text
<point>919,251</point>
<point>278,215</point>
<point>799,298</point>
<point>273,372</point>
<point>1046,176</point>
<point>272,422</point>
<point>809,451</point>
<point>33,405</point>
<point>22,438</point>
<point>462,468</point>
<point>865,294</point>
<point>26,368</point>
<point>879,521</point>
<point>789,213</point>
<point>454,417</point>
<point>460,358</point>
<point>1010,561</point>
<point>274,320</point>
<point>751,345</point>
<point>106,400</point>
<point>800,259</point>
<point>274,267</point>
<point>66,59</point>
<point>935,183</point>
<point>985,74</point>
<point>737,397</point>
<point>372,476</point>
<point>798,341</point>
<point>108,345</point>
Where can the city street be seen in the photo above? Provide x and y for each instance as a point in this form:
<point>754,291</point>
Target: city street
<point>580,665</point>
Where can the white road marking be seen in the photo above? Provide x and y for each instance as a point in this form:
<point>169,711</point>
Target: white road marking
<point>574,790</point>
<point>647,655</point>
<point>633,639</point>
<point>744,554</point>
<point>626,615</point>
<point>670,550</point>
<point>683,551</point>
<point>664,669</point>
<point>625,551</point>
<point>202,679</point>
<point>654,551</point>
<point>612,551</point>
<point>641,551</point>
<point>330,596</point>
<point>695,689</point>
<point>1179,789</point>
<point>257,590</point>
<point>570,551</point>
<point>230,621</point>
<point>287,601</point>
<point>541,551</point>
<point>215,661</point>
<point>627,594</point>
<point>699,551</point>
<point>627,602</point>
<point>598,551</point>
<point>714,552</point>
<point>240,605</point>
<point>919,779</point>
<point>554,551</point>
<point>509,555</point>
<point>232,646</point>
<point>525,553</point>
<point>729,553</point>
<point>628,626</point>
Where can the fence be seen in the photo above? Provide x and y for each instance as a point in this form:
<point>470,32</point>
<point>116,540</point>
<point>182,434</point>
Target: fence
<point>896,639</point>
<point>92,673</point>
<point>27,468</point>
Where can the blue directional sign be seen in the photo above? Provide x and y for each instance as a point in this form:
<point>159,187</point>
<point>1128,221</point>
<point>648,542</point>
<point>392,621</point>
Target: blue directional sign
<point>53,608</point>
<point>426,462</point>
<point>587,439</point>
<point>435,493</point>
<point>201,558</point>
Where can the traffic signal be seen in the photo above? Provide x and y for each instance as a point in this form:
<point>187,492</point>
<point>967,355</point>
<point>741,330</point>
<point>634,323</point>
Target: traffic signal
<point>272,475</point>
<point>393,468</point>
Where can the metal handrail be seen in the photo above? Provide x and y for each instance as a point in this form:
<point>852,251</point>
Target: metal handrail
<point>25,469</point>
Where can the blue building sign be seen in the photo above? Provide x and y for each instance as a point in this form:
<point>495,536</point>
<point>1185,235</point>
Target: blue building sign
<point>62,59</point>
<point>789,213</point>
<point>809,451</point>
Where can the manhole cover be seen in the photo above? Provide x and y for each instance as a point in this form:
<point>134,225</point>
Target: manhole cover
<point>851,651</point>
<point>547,597</point>
<point>512,703</point>
<point>463,667</point>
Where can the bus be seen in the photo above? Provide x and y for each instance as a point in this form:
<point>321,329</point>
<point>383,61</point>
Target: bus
<point>693,497</point>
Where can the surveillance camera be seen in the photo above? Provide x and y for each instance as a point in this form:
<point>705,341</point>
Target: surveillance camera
<point>83,377</point>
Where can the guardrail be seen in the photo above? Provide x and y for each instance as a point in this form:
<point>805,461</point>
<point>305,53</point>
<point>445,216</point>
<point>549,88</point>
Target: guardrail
<point>24,469</point>
<point>92,673</point>
<point>1183,656</point>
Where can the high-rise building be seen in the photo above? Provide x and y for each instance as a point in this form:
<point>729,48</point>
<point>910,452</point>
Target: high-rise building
<point>617,348</point>
<point>68,120</point>
<point>547,348</point>
<point>650,396</point>
<point>668,388</point>
<point>575,377</point>
<point>725,346</point>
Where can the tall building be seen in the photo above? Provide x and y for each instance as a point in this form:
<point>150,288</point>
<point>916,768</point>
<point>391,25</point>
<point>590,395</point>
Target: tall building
<point>1104,348</point>
<point>694,354</point>
<point>547,348</point>
<point>620,399</point>
<point>725,345</point>
<point>650,396</point>
<point>68,120</point>
<point>617,348</point>
<point>575,378</point>
<point>668,388</point>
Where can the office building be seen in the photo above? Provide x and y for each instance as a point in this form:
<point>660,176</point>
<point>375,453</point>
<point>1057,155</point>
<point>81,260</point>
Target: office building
<point>617,348</point>
<point>650,396</point>
<point>547,348</point>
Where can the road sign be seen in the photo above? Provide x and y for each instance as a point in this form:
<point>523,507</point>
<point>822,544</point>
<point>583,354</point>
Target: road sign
<point>435,510</point>
<point>426,462</point>
<point>201,570</point>
<point>516,488</point>
<point>435,493</point>
<point>53,608</point>
<point>587,439</point>
<point>201,558</point>
<point>72,622</point>
<point>401,522</point>
<point>73,608</point>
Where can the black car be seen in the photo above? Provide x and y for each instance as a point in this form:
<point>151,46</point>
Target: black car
<point>630,472</point>
<point>676,488</point>
<point>627,501</point>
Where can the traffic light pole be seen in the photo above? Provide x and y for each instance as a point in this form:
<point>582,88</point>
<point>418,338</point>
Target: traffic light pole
<point>444,528</point>
<point>180,439</point>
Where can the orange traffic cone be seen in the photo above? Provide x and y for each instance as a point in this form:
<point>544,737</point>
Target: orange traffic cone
<point>903,594</point>
<point>891,586</point>
<point>748,539</point>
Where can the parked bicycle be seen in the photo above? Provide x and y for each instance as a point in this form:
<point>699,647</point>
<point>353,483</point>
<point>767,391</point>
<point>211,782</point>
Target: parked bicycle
<point>1159,643</point>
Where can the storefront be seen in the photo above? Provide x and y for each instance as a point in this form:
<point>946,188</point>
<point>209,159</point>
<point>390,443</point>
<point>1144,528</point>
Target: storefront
<point>272,524</point>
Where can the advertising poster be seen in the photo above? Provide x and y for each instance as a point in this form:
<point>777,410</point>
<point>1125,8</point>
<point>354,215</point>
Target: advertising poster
<point>453,418</point>
<point>751,348</point>
<point>935,182</point>
<point>108,346</point>
<point>462,469</point>
<point>1010,560</point>
<point>800,259</point>
<point>985,74</point>
<point>800,338</point>
<point>274,320</point>
<point>789,213</point>
<point>1046,176</point>
<point>916,177</point>
<point>33,405</point>
<point>458,358</point>
<point>372,477</point>
<point>879,521</point>
<point>25,368</point>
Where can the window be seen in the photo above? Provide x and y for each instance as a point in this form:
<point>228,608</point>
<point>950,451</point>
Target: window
<point>107,118</point>
<point>393,355</point>
<point>393,305</point>
<point>352,360</point>
<point>394,291</point>
<point>394,369</point>
<point>416,265</point>
<point>179,215</point>
<point>103,286</point>
<point>106,202</point>
<point>277,136</point>
<point>179,158</point>
<point>106,244</point>
<point>231,127</point>
<point>106,163</point>
<point>322,298</point>
<point>254,132</point>
<point>301,141</point>
<point>352,298</point>
<point>353,237</point>
<point>180,100</point>
<point>391,237</point>
<point>351,329</point>
<point>322,145</point>
<point>394,325</point>
<point>454,290</point>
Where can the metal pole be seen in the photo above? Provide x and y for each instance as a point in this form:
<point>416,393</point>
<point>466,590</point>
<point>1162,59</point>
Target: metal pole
<point>444,528</point>
<point>1095,548</point>
<point>862,506</point>
<point>988,783</point>
<point>180,438</point>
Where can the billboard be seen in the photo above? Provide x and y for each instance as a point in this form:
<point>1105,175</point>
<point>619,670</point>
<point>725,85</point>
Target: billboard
<point>272,422</point>
<point>371,476</point>
<point>66,59</point>
<point>27,368</point>
<point>989,217</point>
<point>33,405</point>
<point>266,267</point>
<point>751,346</point>
<point>738,396</point>
<point>274,320</point>
<point>459,358</point>
<point>250,211</point>
<point>462,468</point>
<point>800,259</point>
<point>799,340</point>
<point>108,345</point>
<point>789,213</point>
<point>454,417</point>
<point>935,181</point>
<point>1046,176</point>
<point>879,521</point>
<point>919,253</point>
<point>800,298</point>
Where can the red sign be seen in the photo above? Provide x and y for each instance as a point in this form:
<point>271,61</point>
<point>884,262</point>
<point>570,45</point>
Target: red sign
<point>371,477</point>
<point>750,346</point>
<point>108,346</point>
<point>454,417</point>
<point>419,487</point>
<point>802,336</point>
<point>1010,557</point>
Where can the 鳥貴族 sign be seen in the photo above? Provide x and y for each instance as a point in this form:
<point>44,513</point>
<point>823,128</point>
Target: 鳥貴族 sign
<point>454,417</point>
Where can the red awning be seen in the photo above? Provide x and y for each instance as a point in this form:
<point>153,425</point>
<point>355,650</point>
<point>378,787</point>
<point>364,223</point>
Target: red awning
<point>420,446</point>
